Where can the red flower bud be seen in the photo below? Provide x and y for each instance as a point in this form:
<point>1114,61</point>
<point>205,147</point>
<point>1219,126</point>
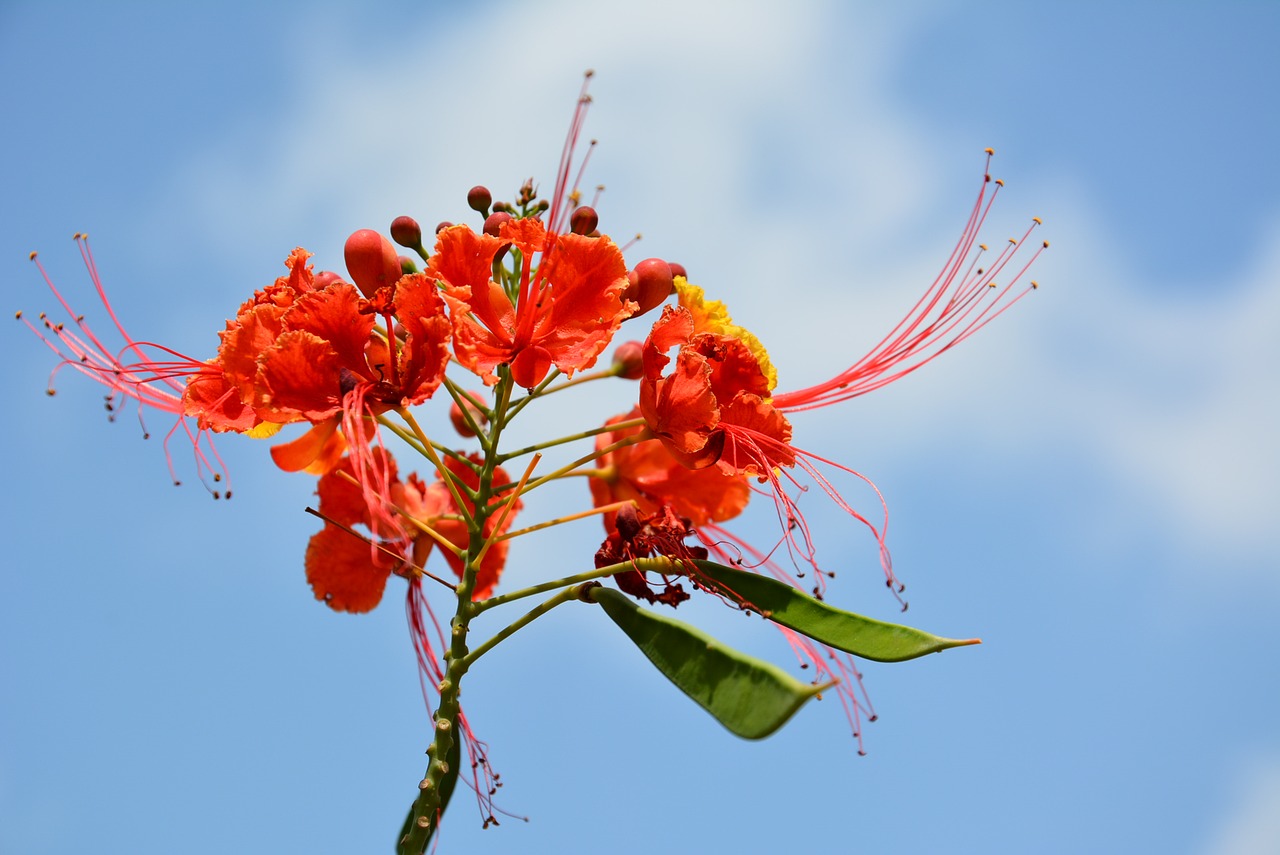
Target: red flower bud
<point>325,278</point>
<point>479,198</point>
<point>494,222</point>
<point>584,220</point>
<point>628,360</point>
<point>677,269</point>
<point>371,261</point>
<point>649,283</point>
<point>477,417</point>
<point>406,232</point>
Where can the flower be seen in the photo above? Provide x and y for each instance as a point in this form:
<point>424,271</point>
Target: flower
<point>718,406</point>
<point>349,573</point>
<point>651,477</point>
<point>301,352</point>
<point>714,406</point>
<point>564,314</point>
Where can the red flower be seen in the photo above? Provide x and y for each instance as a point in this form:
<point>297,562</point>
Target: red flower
<point>651,477</point>
<point>564,313</point>
<point>350,574</point>
<point>714,406</point>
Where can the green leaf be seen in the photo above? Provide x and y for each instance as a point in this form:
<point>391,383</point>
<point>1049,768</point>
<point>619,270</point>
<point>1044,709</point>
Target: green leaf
<point>750,697</point>
<point>447,783</point>
<point>790,607</point>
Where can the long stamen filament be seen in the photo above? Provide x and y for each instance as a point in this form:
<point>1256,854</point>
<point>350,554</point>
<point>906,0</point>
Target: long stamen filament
<point>390,552</point>
<point>603,509</point>
<point>506,508</point>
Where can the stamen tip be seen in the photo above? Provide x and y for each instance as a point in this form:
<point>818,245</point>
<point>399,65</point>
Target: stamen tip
<point>32,256</point>
<point>1037,221</point>
<point>989,150</point>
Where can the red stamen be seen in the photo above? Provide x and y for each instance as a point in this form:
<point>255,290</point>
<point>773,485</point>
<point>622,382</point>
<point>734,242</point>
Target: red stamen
<point>962,299</point>
<point>151,382</point>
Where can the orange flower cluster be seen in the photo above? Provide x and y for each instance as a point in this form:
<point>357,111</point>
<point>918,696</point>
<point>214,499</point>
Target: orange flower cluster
<point>536,295</point>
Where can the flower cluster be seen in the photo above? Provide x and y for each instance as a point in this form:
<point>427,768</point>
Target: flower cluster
<point>526,305</point>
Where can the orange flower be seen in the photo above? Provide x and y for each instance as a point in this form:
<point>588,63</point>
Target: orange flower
<point>649,475</point>
<point>349,574</point>
<point>713,407</point>
<point>564,314</point>
<point>298,352</point>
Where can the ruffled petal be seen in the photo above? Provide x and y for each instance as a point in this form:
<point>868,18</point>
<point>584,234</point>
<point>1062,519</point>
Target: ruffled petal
<point>345,572</point>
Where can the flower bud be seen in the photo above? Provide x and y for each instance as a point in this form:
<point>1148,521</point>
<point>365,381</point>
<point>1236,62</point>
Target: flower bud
<point>460,423</point>
<point>584,220</point>
<point>371,261</point>
<point>406,232</point>
<point>649,283</point>
<point>325,278</point>
<point>677,269</point>
<point>442,225</point>
<point>494,222</point>
<point>628,360</point>
<point>479,199</point>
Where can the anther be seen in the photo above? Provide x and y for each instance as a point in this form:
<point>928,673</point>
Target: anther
<point>17,316</point>
<point>32,256</point>
<point>1034,285</point>
<point>1000,182</point>
<point>989,150</point>
<point>1037,221</point>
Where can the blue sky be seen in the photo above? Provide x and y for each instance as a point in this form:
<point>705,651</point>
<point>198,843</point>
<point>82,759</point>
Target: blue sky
<point>1089,485</point>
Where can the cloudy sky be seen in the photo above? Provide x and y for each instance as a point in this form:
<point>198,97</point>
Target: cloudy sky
<point>1089,485</point>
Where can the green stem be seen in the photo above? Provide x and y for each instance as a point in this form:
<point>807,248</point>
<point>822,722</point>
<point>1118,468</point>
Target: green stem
<point>659,564</point>
<point>533,614</point>
<point>552,443</point>
<point>595,455</point>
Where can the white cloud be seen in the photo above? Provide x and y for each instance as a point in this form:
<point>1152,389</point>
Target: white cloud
<point>1252,824</point>
<point>769,159</point>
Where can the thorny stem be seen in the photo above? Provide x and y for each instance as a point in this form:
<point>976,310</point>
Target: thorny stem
<point>427,807</point>
<point>487,502</point>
